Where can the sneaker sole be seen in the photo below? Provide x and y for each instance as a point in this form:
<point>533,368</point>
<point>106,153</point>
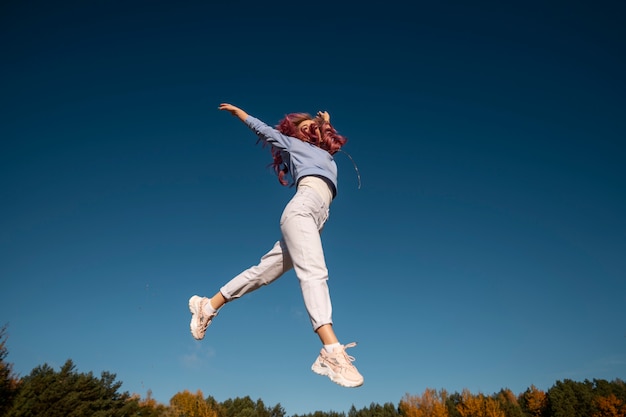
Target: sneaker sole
<point>320,369</point>
<point>194,305</point>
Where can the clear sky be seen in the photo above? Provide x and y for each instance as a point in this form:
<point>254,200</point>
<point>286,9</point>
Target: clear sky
<point>485,248</point>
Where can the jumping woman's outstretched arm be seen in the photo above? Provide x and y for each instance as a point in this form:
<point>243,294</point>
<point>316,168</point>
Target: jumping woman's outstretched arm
<point>266,133</point>
<point>234,110</point>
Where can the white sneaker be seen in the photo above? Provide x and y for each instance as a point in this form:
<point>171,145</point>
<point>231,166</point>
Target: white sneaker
<point>338,367</point>
<point>199,319</point>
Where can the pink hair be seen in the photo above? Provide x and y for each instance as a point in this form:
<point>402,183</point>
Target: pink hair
<point>321,134</point>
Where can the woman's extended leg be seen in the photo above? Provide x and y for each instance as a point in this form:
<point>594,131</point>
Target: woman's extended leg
<point>271,267</point>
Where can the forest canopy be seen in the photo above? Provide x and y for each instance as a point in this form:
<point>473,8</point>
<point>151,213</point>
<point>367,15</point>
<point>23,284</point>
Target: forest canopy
<point>68,392</point>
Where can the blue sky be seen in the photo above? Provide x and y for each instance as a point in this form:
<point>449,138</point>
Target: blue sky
<point>485,248</point>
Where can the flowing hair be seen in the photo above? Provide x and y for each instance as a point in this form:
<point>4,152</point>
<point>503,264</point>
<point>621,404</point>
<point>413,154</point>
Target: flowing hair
<point>321,134</point>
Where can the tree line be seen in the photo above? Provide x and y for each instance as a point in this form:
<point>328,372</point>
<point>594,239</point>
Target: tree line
<point>69,393</point>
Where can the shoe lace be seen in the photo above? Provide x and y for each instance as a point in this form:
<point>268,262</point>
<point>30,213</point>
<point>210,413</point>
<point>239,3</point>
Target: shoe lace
<point>348,359</point>
<point>205,319</point>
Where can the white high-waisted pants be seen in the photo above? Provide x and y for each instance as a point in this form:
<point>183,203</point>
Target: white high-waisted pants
<point>301,249</point>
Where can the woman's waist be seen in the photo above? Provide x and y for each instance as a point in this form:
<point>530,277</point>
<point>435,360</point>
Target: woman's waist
<point>321,185</point>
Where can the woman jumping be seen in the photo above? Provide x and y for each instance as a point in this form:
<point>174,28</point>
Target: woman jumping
<point>302,147</point>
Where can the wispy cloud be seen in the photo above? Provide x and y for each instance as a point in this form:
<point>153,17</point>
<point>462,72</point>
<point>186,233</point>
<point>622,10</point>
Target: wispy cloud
<point>198,356</point>
<point>299,314</point>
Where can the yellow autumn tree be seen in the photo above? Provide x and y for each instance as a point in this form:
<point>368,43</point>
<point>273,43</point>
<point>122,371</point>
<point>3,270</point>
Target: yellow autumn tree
<point>430,404</point>
<point>492,408</point>
<point>478,406</point>
<point>610,406</point>
<point>149,406</point>
<point>470,405</point>
<point>535,401</point>
<point>191,405</point>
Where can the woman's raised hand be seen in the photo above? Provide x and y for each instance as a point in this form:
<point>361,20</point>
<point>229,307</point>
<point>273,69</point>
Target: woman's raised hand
<point>234,110</point>
<point>324,115</point>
